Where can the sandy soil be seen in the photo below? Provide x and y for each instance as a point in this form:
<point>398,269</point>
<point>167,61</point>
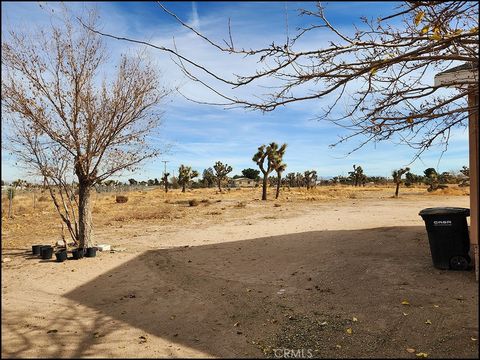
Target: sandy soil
<point>246,282</point>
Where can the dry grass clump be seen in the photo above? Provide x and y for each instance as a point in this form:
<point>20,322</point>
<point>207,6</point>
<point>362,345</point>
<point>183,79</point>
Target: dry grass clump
<point>193,202</point>
<point>120,199</point>
<point>451,190</point>
<point>241,204</point>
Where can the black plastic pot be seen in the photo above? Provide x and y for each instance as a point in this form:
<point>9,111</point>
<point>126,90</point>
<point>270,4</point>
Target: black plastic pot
<point>46,252</point>
<point>36,249</point>
<point>77,254</point>
<point>91,252</point>
<point>61,255</point>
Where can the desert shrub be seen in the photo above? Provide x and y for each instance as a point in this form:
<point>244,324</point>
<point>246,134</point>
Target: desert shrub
<point>121,199</point>
<point>277,205</point>
<point>205,202</point>
<point>241,204</point>
<point>193,202</point>
<point>42,198</point>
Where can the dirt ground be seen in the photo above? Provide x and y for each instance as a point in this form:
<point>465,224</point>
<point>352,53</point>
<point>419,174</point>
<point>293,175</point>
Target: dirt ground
<point>333,273</point>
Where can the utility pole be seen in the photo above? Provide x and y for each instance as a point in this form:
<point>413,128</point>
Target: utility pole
<point>165,163</point>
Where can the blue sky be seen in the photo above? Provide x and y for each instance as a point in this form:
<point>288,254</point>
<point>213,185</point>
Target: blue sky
<point>198,135</point>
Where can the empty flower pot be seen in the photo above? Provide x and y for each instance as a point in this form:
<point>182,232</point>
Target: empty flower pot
<point>61,255</point>
<point>91,252</point>
<point>36,249</point>
<point>77,254</point>
<point>46,252</point>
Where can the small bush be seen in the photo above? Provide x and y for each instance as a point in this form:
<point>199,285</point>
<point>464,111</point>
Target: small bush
<point>42,198</point>
<point>241,204</point>
<point>121,199</point>
<point>193,202</point>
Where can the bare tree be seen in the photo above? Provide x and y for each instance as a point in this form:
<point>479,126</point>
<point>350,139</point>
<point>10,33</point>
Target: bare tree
<point>65,121</point>
<point>221,172</point>
<point>385,69</point>
<point>397,178</point>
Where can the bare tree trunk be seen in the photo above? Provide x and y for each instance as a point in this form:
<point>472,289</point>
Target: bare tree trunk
<point>183,188</point>
<point>264,190</point>
<point>279,181</point>
<point>396,190</point>
<point>219,185</point>
<point>84,215</point>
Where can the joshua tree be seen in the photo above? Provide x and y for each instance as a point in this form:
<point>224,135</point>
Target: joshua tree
<point>185,175</point>
<point>279,169</point>
<point>279,166</point>
<point>310,176</point>
<point>290,178</point>
<point>165,181</point>
<point>221,172</point>
<point>464,178</point>
<point>299,180</point>
<point>259,158</point>
<point>357,176</point>
<point>269,153</point>
<point>251,173</point>
<point>208,179</point>
<point>431,179</point>
<point>397,178</point>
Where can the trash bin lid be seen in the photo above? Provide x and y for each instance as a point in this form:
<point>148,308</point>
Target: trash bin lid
<point>445,211</point>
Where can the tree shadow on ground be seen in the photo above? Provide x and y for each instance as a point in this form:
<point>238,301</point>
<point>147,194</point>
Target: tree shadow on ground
<point>245,298</point>
<point>296,291</point>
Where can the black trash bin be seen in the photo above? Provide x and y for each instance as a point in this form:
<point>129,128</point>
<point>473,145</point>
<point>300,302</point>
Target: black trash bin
<point>448,237</point>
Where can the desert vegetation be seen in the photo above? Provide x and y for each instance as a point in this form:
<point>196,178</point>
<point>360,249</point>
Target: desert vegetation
<point>132,205</point>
